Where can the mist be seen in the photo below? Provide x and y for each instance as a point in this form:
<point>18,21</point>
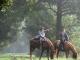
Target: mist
<point>21,45</point>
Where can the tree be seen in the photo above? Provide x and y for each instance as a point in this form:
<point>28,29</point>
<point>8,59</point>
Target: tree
<point>10,21</point>
<point>64,7</point>
<point>5,4</point>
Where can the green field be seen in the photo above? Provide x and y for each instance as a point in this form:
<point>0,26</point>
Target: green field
<point>26,57</point>
<point>19,58</point>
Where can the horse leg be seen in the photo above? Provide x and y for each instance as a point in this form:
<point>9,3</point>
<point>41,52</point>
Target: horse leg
<point>57,53</point>
<point>48,54</point>
<point>30,54</point>
<point>31,50</point>
<point>67,53</point>
<point>41,54</point>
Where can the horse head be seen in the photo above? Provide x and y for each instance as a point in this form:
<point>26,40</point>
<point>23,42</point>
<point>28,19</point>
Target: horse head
<point>69,46</point>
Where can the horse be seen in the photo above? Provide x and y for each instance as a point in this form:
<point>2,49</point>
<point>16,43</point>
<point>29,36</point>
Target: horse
<point>67,48</point>
<point>45,45</point>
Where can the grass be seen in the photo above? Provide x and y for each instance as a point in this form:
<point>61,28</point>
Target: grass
<point>10,56</point>
<point>14,56</point>
<point>60,58</point>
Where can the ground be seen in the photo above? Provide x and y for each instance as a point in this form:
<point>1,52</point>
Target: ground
<point>26,57</point>
<point>9,58</point>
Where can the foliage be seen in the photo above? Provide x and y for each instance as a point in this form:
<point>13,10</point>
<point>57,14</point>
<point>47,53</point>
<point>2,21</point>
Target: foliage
<point>10,22</point>
<point>5,4</point>
<point>39,13</point>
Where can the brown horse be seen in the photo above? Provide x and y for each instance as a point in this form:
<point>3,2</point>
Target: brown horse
<point>67,48</point>
<point>45,45</point>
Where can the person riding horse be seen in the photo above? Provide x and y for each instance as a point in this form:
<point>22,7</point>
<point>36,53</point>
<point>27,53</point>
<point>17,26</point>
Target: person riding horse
<point>63,37</point>
<point>41,34</point>
<point>40,41</point>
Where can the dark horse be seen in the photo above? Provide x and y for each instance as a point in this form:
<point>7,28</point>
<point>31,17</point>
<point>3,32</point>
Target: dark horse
<point>46,45</point>
<point>67,48</point>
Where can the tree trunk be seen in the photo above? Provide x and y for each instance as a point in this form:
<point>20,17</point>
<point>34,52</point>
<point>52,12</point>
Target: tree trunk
<point>59,18</point>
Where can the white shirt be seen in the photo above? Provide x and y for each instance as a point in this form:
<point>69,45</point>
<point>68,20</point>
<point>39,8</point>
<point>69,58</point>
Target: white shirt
<point>42,33</point>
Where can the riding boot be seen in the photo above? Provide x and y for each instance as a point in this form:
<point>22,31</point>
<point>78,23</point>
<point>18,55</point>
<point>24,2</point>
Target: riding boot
<point>40,43</point>
<point>61,46</point>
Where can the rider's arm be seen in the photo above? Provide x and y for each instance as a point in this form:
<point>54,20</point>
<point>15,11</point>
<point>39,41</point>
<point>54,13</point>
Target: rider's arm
<point>67,37</point>
<point>48,29</point>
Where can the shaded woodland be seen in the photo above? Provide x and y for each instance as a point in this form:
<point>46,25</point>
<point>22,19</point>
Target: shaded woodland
<point>36,13</point>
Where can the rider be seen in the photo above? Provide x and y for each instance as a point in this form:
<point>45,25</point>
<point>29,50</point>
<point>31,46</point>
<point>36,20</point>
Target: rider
<point>63,37</point>
<point>41,33</point>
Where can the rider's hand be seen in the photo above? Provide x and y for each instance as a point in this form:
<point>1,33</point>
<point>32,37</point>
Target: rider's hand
<point>49,29</point>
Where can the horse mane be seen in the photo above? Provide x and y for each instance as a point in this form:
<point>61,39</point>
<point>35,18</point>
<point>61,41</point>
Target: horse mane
<point>49,41</point>
<point>71,45</point>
